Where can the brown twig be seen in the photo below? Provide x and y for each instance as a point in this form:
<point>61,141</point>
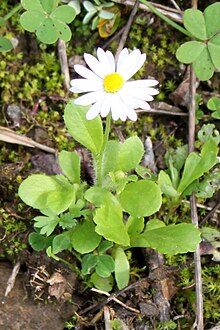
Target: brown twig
<point>64,63</point>
<point>127,28</point>
<point>172,13</point>
<point>12,278</point>
<point>194,215</point>
<point>213,210</point>
<point>113,296</point>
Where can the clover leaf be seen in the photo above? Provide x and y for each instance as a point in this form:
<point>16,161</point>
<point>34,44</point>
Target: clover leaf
<point>5,45</point>
<point>46,20</point>
<point>214,105</point>
<point>203,53</point>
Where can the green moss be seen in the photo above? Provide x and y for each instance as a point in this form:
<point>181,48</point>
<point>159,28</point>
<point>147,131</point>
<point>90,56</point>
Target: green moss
<point>13,229</point>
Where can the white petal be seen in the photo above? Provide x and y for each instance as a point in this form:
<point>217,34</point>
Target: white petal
<point>95,65</point>
<point>93,111</point>
<point>106,61</point>
<point>133,69</point>
<point>111,60</point>
<point>121,58</point>
<point>128,99</point>
<point>85,73</point>
<point>89,98</point>
<point>127,107</point>
<point>143,105</point>
<point>131,64</point>
<point>143,83</point>
<point>85,85</point>
<point>138,93</point>
<point>114,108</point>
<point>106,105</point>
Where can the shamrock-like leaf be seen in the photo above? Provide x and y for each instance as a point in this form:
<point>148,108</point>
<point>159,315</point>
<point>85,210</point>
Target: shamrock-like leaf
<point>5,45</point>
<point>214,105</point>
<point>47,20</point>
<point>203,53</point>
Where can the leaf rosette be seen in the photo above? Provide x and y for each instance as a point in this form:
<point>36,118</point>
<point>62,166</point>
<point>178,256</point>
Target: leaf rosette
<point>47,20</point>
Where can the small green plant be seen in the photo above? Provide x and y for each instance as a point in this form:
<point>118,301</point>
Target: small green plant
<point>87,219</point>
<point>214,105</point>
<point>47,19</point>
<point>184,172</point>
<point>203,52</point>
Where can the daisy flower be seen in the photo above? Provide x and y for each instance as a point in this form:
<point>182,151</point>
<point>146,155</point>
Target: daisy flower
<point>107,85</point>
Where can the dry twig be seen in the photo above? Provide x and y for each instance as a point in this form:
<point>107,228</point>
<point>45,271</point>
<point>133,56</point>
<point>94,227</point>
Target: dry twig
<point>12,278</point>
<point>127,28</point>
<point>64,63</point>
<point>194,215</point>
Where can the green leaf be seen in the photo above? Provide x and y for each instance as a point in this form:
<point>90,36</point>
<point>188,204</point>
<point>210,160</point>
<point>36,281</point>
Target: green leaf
<point>49,5</point>
<point>67,221</point>
<point>135,226</point>
<point>47,224</point>
<point>109,158</point>
<point>31,20</point>
<point>104,246</point>
<point>89,262</point>
<point>61,242</point>
<point>47,32</point>
<point>63,30</point>
<point>39,242</point>
<point>171,240</point>
<point>102,283</point>
<point>33,5</point>
<point>203,65</point>
<point>214,50</point>
<point>105,266</point>
<point>141,198</point>
<point>109,220</point>
<point>64,13</point>
<point>196,165</point>
<point>87,132</point>
<point>130,154</point>
<point>122,268</point>
<point>70,164</point>
<point>209,132</point>
<point>166,185</point>
<point>214,103</point>
<point>97,195</point>
<point>5,45</point>
<point>211,15</point>
<point>41,192</point>
<point>47,21</point>
<point>189,51</point>
<point>194,22</point>
<point>84,239</point>
<point>154,224</point>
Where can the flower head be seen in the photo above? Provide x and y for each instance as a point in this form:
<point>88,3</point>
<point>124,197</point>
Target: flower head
<point>107,85</point>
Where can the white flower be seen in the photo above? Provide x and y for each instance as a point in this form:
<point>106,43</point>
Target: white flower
<point>107,87</point>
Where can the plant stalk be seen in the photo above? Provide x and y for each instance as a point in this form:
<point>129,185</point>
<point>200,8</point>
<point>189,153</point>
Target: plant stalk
<point>98,158</point>
<point>12,12</point>
<point>166,19</point>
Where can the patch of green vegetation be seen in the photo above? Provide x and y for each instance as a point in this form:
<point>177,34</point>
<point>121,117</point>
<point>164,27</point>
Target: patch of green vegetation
<point>25,83</point>
<point>186,299</point>
<point>13,230</point>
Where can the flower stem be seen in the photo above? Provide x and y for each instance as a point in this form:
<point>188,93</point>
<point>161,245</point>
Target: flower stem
<point>98,158</point>
<point>12,12</point>
<point>107,131</point>
<point>166,19</point>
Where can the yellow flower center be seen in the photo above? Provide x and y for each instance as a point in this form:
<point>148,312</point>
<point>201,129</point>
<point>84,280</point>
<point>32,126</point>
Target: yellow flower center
<point>113,82</point>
